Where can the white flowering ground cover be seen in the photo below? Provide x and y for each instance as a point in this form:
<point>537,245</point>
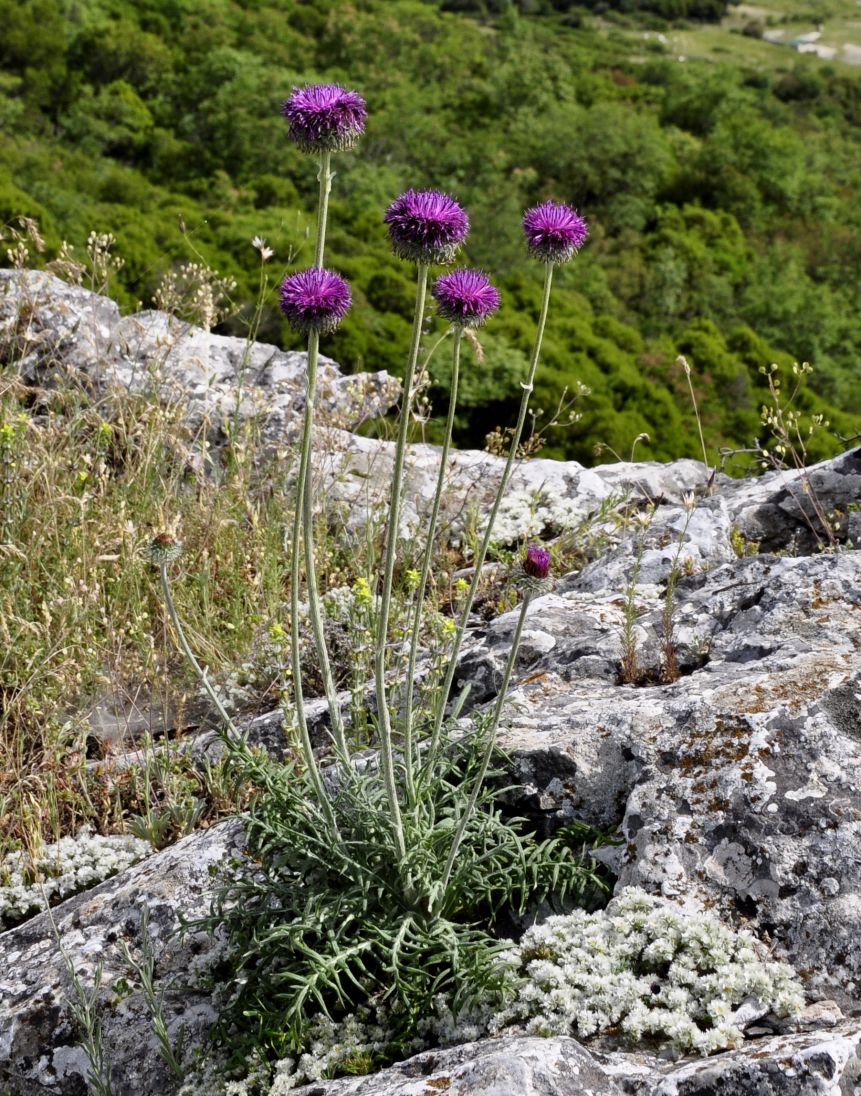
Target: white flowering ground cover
<point>644,969</point>
<point>640,969</point>
<point>65,868</point>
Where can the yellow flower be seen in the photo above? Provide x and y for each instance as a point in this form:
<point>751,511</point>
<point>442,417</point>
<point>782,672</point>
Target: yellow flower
<point>362,592</point>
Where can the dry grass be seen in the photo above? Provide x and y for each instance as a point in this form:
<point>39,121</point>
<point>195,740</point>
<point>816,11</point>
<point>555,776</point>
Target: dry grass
<point>85,484</point>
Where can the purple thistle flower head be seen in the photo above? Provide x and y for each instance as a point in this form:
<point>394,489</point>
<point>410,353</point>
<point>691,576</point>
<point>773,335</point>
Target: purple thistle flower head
<point>465,297</point>
<point>554,233</point>
<point>426,226</point>
<point>315,300</point>
<point>536,563</point>
<point>325,117</point>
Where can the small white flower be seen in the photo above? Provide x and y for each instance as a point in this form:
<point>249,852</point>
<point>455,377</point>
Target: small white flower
<point>259,244</point>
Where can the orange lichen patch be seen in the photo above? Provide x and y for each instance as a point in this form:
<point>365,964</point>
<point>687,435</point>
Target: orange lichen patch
<point>792,690</point>
<point>706,749</point>
<point>437,1084</point>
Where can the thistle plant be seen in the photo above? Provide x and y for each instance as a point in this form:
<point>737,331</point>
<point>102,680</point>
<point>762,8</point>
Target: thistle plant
<point>554,233</point>
<point>385,882</point>
<point>466,299</point>
<point>424,227</point>
<point>322,118</point>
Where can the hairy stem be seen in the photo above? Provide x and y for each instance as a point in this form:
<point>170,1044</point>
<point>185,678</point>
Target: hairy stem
<point>324,177</point>
<point>295,577</point>
<point>426,565</point>
<point>488,750</point>
<point>393,526</point>
<point>481,555</point>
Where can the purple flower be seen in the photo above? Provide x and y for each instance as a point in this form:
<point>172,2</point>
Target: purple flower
<point>426,226</point>
<point>465,297</point>
<point>315,300</point>
<point>325,117</point>
<point>554,232</point>
<point>536,564</point>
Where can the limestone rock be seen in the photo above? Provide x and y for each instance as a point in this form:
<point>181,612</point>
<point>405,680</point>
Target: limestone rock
<point>50,329</point>
<point>790,510</point>
<point>39,1046</point>
<point>490,1067</point>
<point>544,498</point>
<point>796,1065</point>
<point>738,786</point>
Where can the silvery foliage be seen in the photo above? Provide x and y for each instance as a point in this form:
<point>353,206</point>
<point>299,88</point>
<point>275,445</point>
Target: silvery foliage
<point>641,967</point>
<point>64,868</point>
<point>645,969</point>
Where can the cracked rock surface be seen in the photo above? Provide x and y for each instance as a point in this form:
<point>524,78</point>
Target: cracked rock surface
<point>53,330</point>
<point>40,1050</point>
<point>737,786</point>
<point>794,1065</point>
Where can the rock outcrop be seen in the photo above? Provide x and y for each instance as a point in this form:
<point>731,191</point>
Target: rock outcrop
<point>40,1049</point>
<point>796,1065</point>
<point>695,686</point>
<point>738,785</point>
<point>53,332</point>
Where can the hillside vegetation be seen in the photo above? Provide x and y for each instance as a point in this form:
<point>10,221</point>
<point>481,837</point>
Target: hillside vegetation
<point>723,201</point>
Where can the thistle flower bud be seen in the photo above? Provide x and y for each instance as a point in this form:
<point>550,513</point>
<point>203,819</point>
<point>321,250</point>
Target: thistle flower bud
<point>164,548</point>
<point>325,117</point>
<point>315,300</point>
<point>465,297</point>
<point>426,226</point>
<point>554,233</point>
<point>534,575</point>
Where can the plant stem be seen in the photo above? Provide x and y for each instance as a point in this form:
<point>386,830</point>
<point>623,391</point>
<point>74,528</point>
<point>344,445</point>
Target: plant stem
<point>233,739</point>
<point>426,564</point>
<point>295,574</point>
<point>303,534</point>
<point>488,750</point>
<point>383,717</point>
<point>324,177</point>
<point>202,674</point>
<point>250,338</point>
<point>304,497</point>
<point>439,715</point>
<point>310,569</point>
<point>687,371</point>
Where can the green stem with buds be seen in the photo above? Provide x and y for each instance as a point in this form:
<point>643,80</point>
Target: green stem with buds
<point>426,564</point>
<point>393,526</point>
<point>488,750</point>
<point>481,555</point>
